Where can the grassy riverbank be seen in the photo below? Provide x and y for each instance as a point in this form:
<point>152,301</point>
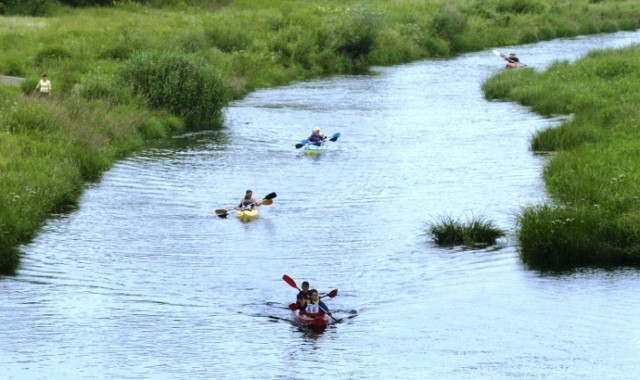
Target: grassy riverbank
<point>594,175</point>
<point>126,74</point>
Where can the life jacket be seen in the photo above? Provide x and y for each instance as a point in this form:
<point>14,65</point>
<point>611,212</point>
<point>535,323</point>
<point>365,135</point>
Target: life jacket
<point>313,308</point>
<point>315,139</point>
<point>245,204</point>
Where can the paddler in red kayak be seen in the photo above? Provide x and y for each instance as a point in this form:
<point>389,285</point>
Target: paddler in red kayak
<point>305,291</point>
<point>314,305</point>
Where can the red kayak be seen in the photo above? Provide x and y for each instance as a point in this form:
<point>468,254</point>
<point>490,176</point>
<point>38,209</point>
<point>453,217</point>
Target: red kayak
<point>312,320</point>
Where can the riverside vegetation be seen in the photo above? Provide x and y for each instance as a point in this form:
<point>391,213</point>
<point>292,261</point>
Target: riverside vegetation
<point>593,177</point>
<point>131,72</point>
<point>477,231</point>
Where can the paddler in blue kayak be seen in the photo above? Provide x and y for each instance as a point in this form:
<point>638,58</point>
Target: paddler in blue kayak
<point>248,202</point>
<point>316,138</point>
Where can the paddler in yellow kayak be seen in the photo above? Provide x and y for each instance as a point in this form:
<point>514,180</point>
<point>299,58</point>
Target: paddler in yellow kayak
<point>248,202</point>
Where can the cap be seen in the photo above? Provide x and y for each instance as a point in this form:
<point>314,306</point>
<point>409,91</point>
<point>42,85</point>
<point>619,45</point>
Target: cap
<point>316,129</point>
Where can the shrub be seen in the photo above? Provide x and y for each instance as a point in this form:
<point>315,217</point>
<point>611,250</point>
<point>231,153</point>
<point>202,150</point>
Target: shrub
<point>52,53</point>
<point>449,23</point>
<point>183,85</point>
<point>227,39</point>
<point>520,6</point>
<point>358,35</point>
<point>27,7</point>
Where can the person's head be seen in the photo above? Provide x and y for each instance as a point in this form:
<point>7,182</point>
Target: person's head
<point>314,294</point>
<point>248,194</point>
<point>305,286</point>
<point>44,76</point>
<point>512,55</point>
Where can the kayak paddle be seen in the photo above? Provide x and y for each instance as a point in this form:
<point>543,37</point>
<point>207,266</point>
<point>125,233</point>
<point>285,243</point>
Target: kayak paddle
<point>291,282</point>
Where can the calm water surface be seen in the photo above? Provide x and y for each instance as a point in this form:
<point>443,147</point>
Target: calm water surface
<point>144,281</point>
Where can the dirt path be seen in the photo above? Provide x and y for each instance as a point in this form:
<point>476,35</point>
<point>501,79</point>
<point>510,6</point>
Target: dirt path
<point>12,81</point>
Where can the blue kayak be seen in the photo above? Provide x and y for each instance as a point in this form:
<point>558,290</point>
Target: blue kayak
<point>311,149</point>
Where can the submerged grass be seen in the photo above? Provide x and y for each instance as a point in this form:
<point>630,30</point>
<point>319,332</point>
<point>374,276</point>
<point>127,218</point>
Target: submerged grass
<point>594,176</point>
<point>128,73</point>
<point>477,231</point>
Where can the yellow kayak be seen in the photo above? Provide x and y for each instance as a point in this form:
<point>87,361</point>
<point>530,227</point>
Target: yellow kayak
<point>247,215</point>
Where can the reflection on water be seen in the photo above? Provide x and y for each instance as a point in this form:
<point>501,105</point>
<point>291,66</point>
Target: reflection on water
<point>144,281</point>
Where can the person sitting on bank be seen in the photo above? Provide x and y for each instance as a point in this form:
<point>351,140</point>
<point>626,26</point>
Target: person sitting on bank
<point>248,202</point>
<point>44,86</point>
<point>316,138</point>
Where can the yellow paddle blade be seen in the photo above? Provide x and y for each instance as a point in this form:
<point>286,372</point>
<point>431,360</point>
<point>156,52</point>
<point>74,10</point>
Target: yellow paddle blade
<point>221,211</point>
<point>266,202</point>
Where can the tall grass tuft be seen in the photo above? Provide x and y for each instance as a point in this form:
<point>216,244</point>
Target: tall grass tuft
<point>186,86</point>
<point>557,238</point>
<point>476,231</point>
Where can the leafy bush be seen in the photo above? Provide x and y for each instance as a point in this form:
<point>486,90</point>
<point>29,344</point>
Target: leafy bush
<point>51,53</point>
<point>520,6</point>
<point>358,35</point>
<point>449,22</point>
<point>26,7</point>
<point>185,86</point>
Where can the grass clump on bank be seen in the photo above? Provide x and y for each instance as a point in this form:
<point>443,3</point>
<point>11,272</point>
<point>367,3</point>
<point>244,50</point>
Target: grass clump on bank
<point>132,71</point>
<point>593,178</point>
<point>477,231</point>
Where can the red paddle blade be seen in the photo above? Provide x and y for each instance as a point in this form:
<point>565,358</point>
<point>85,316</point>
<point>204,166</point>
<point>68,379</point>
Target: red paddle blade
<point>332,293</point>
<point>289,281</point>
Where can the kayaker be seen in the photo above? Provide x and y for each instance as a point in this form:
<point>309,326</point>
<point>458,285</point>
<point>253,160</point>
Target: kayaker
<point>513,58</point>
<point>316,138</point>
<point>248,202</point>
<point>305,291</point>
<point>315,306</point>
<point>301,303</point>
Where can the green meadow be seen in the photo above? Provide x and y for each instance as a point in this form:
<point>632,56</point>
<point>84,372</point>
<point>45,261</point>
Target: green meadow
<point>128,73</point>
<point>593,176</point>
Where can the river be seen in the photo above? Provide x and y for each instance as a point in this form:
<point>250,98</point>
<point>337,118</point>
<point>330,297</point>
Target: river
<point>143,281</point>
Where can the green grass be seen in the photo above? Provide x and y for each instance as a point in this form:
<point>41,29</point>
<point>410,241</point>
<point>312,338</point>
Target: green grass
<point>475,232</point>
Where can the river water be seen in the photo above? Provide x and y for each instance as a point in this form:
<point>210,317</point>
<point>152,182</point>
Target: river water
<point>144,281</point>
